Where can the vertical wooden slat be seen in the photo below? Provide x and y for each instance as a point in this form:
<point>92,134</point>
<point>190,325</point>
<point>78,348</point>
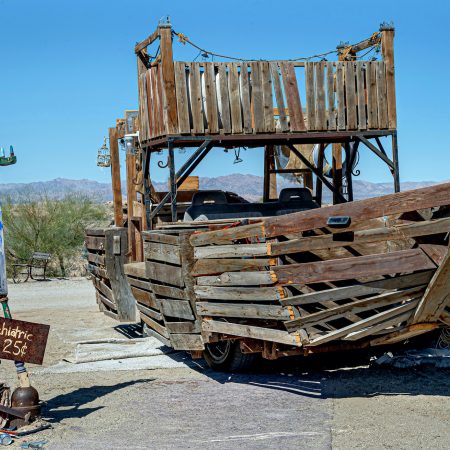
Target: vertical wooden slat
<point>269,125</point>
<point>297,122</point>
<point>279,97</point>
<point>257,98</point>
<point>211,98</point>
<point>196,98</point>
<point>245,98</point>
<point>310,95</point>
<point>155,111</point>
<point>162,124</point>
<point>168,80</point>
<point>235,99</point>
<point>372,104</point>
<point>340,91</point>
<point>350,95</point>
<point>184,126</point>
<point>224,99</point>
<point>387,47</point>
<point>360,77</point>
<point>321,115</point>
<point>150,110</point>
<point>115,177</point>
<point>146,100</point>
<point>142,107</point>
<point>383,120</point>
<point>330,96</point>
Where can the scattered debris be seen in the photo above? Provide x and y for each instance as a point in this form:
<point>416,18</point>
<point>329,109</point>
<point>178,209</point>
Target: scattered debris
<point>439,358</point>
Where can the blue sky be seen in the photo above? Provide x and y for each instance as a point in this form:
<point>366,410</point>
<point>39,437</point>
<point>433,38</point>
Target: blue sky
<point>68,70</point>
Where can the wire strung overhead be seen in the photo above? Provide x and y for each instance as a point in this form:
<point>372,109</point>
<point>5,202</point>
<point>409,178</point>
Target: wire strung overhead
<point>373,40</point>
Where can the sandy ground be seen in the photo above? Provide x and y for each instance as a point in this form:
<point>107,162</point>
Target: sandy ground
<point>291,403</point>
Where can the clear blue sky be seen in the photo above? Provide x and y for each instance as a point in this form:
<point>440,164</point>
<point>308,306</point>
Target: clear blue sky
<point>68,70</point>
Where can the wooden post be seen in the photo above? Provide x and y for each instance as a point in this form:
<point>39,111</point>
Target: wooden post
<point>168,75</point>
<point>270,179</point>
<point>337,171</point>
<point>3,279</point>
<point>172,182</point>
<point>131,196</point>
<point>348,171</point>
<point>319,183</point>
<point>115,177</point>
<point>387,49</point>
<point>395,161</point>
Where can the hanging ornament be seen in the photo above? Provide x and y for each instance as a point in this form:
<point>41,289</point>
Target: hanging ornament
<point>103,155</point>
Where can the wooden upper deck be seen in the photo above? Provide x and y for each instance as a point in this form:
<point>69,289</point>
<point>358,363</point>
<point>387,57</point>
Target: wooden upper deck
<point>265,97</point>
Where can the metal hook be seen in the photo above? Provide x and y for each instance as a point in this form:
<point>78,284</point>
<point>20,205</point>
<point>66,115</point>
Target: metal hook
<point>237,153</point>
<point>162,165</point>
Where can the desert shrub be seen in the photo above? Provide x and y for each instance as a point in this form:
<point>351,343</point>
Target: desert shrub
<point>41,224</point>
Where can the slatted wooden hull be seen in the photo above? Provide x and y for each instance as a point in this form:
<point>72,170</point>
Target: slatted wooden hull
<point>297,284</point>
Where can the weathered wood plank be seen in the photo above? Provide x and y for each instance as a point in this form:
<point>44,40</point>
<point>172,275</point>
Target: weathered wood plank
<point>239,293</point>
<point>265,334</point>
<point>372,96</point>
<point>355,267</point>
<point>156,335</point>
<point>247,311</point>
<point>176,308</point>
<point>340,94</point>
<point>360,78</point>
<point>387,48</point>
<point>321,114</point>
<point>195,91</point>
<point>238,279</point>
<point>210,266</point>
<point>331,97</point>
<point>383,120</point>
<point>141,284</point>
<point>97,271</point>
<point>104,289</point>
<point>406,333</point>
<point>183,327</point>
<point>266,81</point>
<point>436,296</point>
<point>149,312</point>
<point>184,126</point>
<point>100,232</point>
<point>94,242</point>
<point>135,270</point>
<point>257,98</point>
<point>245,98</point>
<point>377,318</point>
<point>231,251</point>
<point>224,99</point>
<point>350,95</point>
<point>164,273</point>
<point>145,297</point>
<point>310,96</point>
<point>355,307</point>
<point>212,116</point>
<point>106,301</point>
<point>96,259</point>
<point>279,97</point>
<point>162,252</point>
<point>235,98</point>
<point>360,211</point>
<point>164,238</point>
<point>297,122</point>
<point>371,287</point>
<point>167,291</point>
<point>187,341</point>
<point>159,328</point>
<point>396,232</point>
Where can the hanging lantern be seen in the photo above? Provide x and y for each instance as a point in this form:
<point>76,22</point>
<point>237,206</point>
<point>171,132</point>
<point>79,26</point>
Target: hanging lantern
<point>103,155</point>
<point>7,160</point>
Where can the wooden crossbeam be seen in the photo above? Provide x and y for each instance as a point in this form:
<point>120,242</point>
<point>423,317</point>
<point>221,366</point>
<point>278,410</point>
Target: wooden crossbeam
<point>359,211</point>
<point>437,295</point>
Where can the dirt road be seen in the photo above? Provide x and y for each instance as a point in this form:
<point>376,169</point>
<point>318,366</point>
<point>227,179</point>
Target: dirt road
<point>173,402</point>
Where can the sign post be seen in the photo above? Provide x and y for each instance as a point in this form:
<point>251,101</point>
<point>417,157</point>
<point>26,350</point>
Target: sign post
<point>3,283</point>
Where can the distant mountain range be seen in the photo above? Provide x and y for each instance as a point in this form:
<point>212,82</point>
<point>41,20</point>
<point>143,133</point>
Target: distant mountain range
<point>249,186</point>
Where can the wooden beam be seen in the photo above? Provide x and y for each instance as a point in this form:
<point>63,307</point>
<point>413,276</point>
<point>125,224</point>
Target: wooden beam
<point>360,211</point>
<point>115,177</point>
<point>437,295</point>
<point>350,268</point>
<point>337,172</point>
<point>146,42</point>
<point>387,49</point>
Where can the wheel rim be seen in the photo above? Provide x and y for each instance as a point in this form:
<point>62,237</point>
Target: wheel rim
<point>219,351</point>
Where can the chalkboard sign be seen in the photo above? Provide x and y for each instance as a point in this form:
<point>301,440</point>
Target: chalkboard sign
<point>23,341</point>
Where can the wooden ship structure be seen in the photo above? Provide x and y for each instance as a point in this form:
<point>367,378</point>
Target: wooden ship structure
<point>230,280</point>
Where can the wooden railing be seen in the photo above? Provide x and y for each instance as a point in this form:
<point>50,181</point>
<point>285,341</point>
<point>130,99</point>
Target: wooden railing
<point>239,98</point>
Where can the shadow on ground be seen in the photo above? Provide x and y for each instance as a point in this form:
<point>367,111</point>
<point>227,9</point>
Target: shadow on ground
<point>70,405</point>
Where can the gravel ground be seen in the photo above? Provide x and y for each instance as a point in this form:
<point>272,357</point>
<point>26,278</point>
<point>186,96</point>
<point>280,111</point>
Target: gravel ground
<point>287,404</point>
